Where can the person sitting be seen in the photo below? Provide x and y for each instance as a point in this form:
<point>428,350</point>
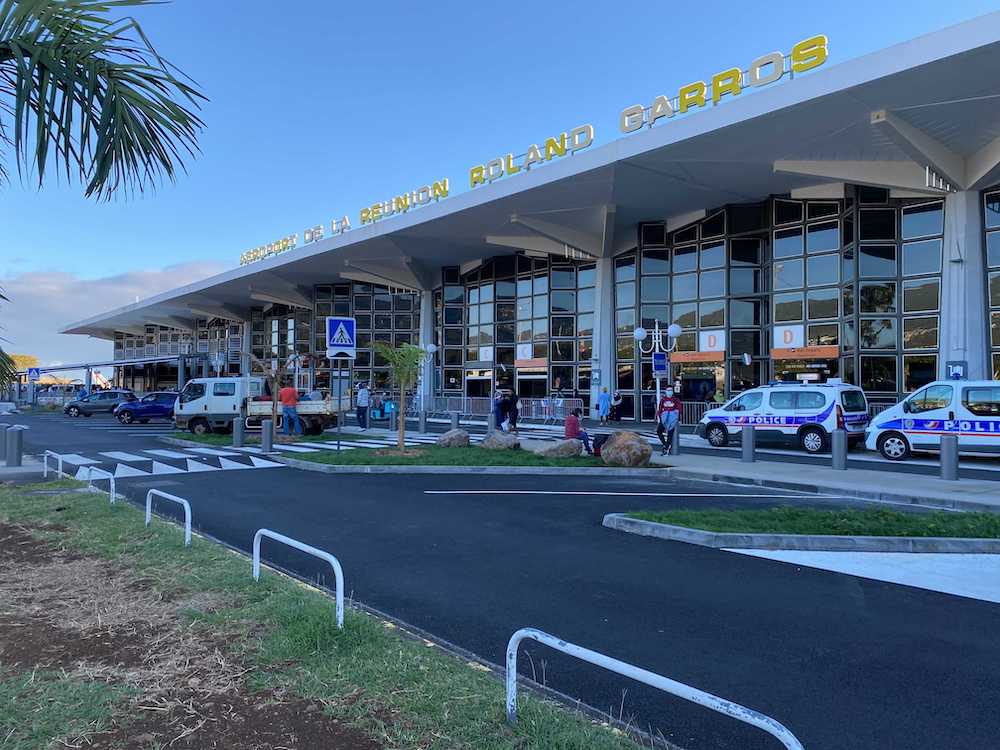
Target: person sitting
<point>572,430</point>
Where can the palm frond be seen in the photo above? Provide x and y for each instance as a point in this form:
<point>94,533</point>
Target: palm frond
<point>91,95</point>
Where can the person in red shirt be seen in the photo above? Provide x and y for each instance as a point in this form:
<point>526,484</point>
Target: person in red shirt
<point>289,398</point>
<point>668,413</point>
<point>572,430</point>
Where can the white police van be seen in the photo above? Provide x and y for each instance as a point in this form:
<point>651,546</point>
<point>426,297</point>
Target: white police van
<point>790,414</point>
<point>969,409</point>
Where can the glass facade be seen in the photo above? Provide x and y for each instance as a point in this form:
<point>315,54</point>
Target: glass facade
<point>991,226</point>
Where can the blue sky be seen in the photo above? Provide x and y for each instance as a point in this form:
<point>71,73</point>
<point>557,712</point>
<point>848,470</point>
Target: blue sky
<point>321,108</point>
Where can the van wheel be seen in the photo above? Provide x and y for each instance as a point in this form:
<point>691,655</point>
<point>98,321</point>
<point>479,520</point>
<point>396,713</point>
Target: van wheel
<point>893,446</point>
<point>200,427</point>
<point>813,440</point>
<point>717,435</point>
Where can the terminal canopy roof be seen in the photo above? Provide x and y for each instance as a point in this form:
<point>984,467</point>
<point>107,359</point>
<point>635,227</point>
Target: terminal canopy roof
<point>883,119</point>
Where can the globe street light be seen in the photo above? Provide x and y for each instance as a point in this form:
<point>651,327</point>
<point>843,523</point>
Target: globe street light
<point>662,342</point>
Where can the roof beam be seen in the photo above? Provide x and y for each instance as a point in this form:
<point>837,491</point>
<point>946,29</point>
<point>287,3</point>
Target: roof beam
<point>920,147</point>
<point>173,321</point>
<point>571,236</point>
<point>682,220</point>
<point>226,312</point>
<point>366,277</point>
<point>404,274</point>
<point>823,191</point>
<point>543,245</point>
<point>892,174</point>
<point>981,167</point>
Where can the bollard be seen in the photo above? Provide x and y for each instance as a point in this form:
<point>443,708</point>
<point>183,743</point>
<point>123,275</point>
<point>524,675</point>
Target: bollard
<point>949,457</point>
<point>393,424</point>
<point>748,445</point>
<point>15,445</point>
<point>454,420</point>
<point>675,441</point>
<point>3,441</point>
<point>238,435</point>
<point>491,423</point>
<point>423,422</point>
<point>266,435</point>
<point>838,449</point>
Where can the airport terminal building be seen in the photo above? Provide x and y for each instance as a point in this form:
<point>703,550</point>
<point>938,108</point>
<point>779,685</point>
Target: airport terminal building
<point>797,220</point>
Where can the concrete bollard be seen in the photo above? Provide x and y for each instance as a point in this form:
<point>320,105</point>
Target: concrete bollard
<point>266,435</point>
<point>423,422</point>
<point>393,423</point>
<point>454,420</point>
<point>238,436</point>
<point>949,457</point>
<point>675,441</point>
<point>3,441</point>
<point>838,449</point>
<point>15,444</point>
<point>491,423</point>
<point>748,445</point>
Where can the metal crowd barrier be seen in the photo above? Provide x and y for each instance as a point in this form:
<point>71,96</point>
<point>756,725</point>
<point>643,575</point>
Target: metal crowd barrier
<point>45,464</point>
<point>104,475</point>
<point>741,713</point>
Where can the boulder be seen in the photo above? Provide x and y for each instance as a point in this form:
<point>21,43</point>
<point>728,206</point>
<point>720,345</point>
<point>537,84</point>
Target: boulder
<point>561,449</point>
<point>499,441</point>
<point>626,449</point>
<point>454,439</point>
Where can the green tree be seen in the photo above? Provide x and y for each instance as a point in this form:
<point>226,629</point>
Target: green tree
<point>404,364</point>
<point>87,94</point>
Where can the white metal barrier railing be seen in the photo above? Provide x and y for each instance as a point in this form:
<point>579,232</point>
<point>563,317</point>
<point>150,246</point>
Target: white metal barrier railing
<point>104,475</point>
<point>747,715</point>
<point>338,572</point>
<point>181,501</point>
<point>45,464</point>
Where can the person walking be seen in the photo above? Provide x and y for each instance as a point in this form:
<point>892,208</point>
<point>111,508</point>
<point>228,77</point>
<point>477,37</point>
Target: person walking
<point>362,403</point>
<point>668,413</point>
<point>573,431</point>
<point>289,398</point>
<point>512,411</point>
<point>604,405</point>
<point>499,409</point>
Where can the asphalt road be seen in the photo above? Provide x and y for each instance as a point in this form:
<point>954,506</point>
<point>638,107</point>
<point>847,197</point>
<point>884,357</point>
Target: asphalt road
<point>844,662</point>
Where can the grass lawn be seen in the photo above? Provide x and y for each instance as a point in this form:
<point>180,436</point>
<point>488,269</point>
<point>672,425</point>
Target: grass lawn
<point>432,455</point>
<point>115,635</point>
<point>846,522</point>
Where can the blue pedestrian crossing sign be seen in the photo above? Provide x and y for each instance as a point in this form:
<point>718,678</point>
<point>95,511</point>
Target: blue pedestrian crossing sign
<point>34,374</point>
<point>341,339</point>
<point>661,365</point>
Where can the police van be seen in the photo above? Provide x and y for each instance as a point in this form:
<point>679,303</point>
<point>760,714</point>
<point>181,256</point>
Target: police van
<point>968,409</point>
<point>790,414</point>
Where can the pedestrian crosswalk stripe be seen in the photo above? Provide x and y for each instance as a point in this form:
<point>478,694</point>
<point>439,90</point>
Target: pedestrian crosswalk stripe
<point>165,453</point>
<point>124,470</point>
<point>260,463</point>
<point>226,463</point>
<point>161,468</point>
<point>294,449</point>
<point>77,460</point>
<point>194,464</point>
<point>212,452</point>
<point>122,456</point>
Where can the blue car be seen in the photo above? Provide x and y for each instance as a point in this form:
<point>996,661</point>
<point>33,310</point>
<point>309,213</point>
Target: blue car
<point>159,405</point>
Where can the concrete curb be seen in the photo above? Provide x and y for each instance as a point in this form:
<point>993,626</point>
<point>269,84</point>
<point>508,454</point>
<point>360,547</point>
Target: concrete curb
<point>804,542</point>
<point>927,501</point>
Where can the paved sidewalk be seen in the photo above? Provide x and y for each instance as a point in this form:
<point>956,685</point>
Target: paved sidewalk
<point>887,487</point>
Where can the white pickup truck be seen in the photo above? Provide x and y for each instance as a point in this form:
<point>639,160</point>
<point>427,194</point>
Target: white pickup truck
<point>211,404</point>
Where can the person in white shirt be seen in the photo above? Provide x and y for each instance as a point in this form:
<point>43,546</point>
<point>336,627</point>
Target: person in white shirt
<point>363,400</point>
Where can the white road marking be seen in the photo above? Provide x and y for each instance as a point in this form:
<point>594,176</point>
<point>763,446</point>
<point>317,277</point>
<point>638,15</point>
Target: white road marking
<point>619,494</point>
<point>260,463</point>
<point>123,456</point>
<point>161,468</point>
<point>124,470</point>
<point>212,452</point>
<point>229,464</point>
<point>295,449</point>
<point>196,465</point>
<point>163,453</point>
<point>77,460</point>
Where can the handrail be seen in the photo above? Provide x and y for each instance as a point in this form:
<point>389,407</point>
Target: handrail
<point>45,464</point>
<point>338,572</point>
<point>107,475</point>
<point>187,511</point>
<point>714,702</point>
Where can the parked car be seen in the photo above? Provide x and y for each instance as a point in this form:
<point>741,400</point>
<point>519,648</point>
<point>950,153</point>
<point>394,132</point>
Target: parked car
<point>158,405</point>
<point>968,409</point>
<point>790,414</point>
<point>97,403</point>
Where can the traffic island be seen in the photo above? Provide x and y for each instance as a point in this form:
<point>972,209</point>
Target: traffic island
<point>115,635</point>
<point>810,529</point>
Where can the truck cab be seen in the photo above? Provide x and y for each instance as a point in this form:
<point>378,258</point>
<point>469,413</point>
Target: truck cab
<point>211,404</point>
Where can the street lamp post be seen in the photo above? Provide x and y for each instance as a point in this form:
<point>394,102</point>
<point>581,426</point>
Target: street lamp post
<point>662,342</point>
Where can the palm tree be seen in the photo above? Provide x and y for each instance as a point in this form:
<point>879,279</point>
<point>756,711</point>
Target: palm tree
<point>89,96</point>
<point>404,363</point>
<point>7,366</point>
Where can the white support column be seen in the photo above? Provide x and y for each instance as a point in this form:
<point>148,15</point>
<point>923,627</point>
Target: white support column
<point>246,347</point>
<point>964,329</point>
<point>427,337</point>
<point>604,331</point>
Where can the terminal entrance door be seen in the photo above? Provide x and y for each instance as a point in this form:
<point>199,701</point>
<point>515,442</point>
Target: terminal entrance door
<point>531,384</point>
<point>479,383</point>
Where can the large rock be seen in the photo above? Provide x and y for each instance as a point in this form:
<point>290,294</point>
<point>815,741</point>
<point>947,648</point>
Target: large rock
<point>626,449</point>
<point>561,449</point>
<point>500,441</point>
<point>454,439</point>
